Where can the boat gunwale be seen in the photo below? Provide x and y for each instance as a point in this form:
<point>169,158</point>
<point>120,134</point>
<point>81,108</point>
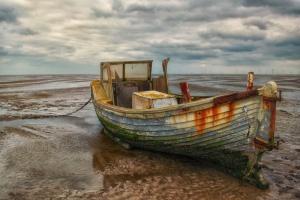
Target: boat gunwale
<point>211,100</point>
<point>250,107</point>
<point>129,127</point>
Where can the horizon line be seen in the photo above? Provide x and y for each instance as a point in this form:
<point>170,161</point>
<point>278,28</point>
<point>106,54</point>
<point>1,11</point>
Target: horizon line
<point>152,74</point>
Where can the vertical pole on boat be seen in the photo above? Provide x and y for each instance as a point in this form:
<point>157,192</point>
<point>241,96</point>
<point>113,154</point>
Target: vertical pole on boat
<point>165,66</point>
<point>109,88</point>
<point>184,86</point>
<point>250,80</point>
<point>269,104</point>
<point>270,94</point>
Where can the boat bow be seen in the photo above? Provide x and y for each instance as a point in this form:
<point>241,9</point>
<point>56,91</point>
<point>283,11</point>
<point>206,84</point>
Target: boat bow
<point>232,130</point>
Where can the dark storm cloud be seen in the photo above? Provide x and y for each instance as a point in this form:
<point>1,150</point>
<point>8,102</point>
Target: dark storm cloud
<point>164,7</point>
<point>224,33</point>
<point>289,7</point>
<point>217,14</point>
<point>193,55</point>
<point>7,14</point>
<point>288,48</point>
<point>140,8</point>
<point>290,41</point>
<point>239,48</point>
<point>246,61</point>
<point>206,11</point>
<point>181,51</point>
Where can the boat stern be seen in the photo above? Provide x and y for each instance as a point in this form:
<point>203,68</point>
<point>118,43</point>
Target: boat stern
<point>265,135</point>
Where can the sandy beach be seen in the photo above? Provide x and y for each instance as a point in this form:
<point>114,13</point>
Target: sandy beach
<point>68,157</point>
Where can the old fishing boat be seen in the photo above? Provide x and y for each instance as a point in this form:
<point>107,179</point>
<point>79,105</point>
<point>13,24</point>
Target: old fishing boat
<point>231,130</point>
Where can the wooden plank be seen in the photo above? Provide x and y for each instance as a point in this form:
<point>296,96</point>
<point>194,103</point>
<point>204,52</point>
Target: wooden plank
<point>127,62</point>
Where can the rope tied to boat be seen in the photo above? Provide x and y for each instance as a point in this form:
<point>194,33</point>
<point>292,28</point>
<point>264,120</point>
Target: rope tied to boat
<point>78,109</point>
<point>59,115</point>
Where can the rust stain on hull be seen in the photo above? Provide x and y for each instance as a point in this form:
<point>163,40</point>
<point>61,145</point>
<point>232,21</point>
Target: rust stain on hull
<point>210,117</point>
<point>269,104</point>
<point>217,128</point>
<point>200,121</point>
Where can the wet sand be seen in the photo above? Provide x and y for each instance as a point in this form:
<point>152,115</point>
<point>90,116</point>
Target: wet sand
<point>70,158</point>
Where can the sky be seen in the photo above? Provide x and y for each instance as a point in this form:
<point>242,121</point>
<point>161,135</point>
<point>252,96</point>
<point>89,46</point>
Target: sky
<point>213,36</point>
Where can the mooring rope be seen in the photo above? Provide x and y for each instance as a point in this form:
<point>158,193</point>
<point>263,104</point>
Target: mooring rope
<point>53,116</point>
<point>70,113</point>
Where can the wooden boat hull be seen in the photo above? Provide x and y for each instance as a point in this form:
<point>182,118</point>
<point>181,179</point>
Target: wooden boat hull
<point>223,129</point>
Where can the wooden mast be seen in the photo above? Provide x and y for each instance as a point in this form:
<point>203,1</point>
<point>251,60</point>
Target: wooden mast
<point>165,69</point>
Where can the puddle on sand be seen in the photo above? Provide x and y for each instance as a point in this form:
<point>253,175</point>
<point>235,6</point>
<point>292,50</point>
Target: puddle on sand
<point>69,157</point>
<point>47,155</point>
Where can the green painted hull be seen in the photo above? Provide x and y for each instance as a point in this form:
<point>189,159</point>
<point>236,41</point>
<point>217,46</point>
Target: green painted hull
<point>221,130</point>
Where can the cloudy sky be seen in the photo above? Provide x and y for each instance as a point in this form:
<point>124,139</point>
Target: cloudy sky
<point>213,36</point>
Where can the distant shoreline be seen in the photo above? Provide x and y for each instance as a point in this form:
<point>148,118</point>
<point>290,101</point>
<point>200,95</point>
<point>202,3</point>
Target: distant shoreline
<point>153,74</point>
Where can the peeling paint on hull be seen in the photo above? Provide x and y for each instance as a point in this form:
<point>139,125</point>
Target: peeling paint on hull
<point>221,130</point>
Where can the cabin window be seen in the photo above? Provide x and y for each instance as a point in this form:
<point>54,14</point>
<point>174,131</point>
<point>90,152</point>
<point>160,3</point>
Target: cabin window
<point>136,71</point>
<point>105,74</point>
<point>116,70</point>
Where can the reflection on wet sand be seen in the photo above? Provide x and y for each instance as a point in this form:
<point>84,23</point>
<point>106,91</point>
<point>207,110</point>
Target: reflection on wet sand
<point>146,175</point>
<point>69,157</point>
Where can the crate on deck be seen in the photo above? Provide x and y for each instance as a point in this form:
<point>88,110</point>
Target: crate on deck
<point>152,99</point>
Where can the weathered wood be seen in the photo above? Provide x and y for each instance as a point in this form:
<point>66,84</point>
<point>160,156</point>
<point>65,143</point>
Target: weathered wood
<point>250,80</point>
<point>159,84</point>
<point>127,62</point>
<point>184,87</point>
<point>124,93</point>
<point>232,130</point>
<point>222,129</point>
<point>152,99</point>
<point>165,69</point>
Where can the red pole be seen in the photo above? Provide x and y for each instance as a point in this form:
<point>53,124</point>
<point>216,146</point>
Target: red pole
<point>250,80</point>
<point>184,86</point>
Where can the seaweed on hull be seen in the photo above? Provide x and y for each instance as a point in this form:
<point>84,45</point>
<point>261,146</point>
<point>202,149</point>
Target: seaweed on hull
<point>230,130</point>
